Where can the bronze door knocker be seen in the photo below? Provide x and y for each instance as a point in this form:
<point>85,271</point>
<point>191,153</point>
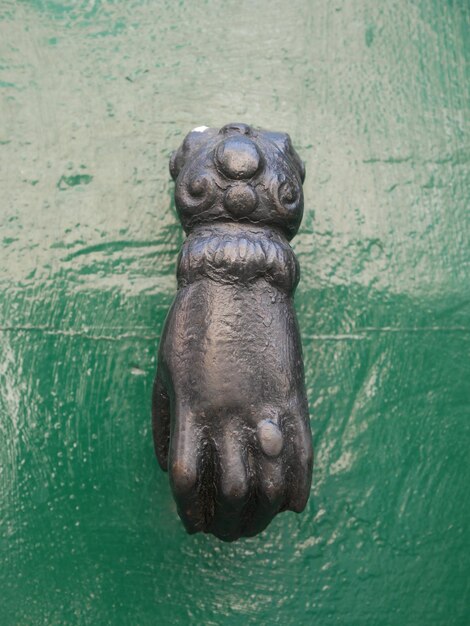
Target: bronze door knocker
<point>230,413</point>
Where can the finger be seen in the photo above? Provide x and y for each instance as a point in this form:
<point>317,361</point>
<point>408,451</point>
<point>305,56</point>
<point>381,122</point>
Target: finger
<point>186,450</point>
<point>270,481</point>
<point>233,488</point>
<point>161,421</point>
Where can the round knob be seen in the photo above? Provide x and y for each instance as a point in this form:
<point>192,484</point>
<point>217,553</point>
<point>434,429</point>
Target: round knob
<point>240,200</point>
<point>238,157</point>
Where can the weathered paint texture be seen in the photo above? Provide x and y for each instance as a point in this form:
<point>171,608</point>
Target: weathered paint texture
<point>94,95</point>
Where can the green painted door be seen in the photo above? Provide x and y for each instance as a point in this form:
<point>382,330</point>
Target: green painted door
<point>94,94</point>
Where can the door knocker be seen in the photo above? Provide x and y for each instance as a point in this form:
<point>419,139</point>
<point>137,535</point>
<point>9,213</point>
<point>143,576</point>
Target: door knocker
<point>230,413</point>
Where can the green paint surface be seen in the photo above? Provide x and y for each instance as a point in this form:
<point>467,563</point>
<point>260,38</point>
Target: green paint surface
<point>94,95</point>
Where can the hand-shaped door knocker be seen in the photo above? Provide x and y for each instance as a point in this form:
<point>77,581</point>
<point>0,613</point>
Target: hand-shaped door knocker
<point>230,413</point>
